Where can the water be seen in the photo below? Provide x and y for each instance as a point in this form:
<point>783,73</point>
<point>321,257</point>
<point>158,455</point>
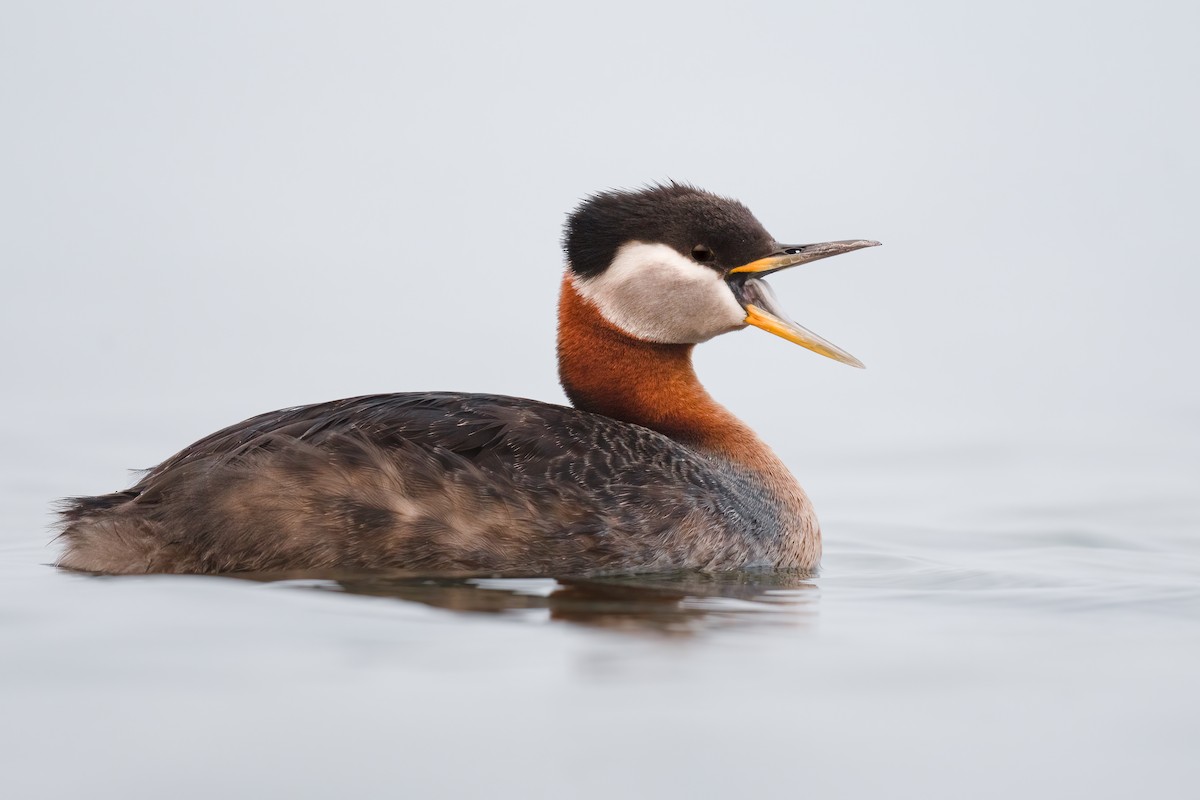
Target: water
<point>1006,618</point>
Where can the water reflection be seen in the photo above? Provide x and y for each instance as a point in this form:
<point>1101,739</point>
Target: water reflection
<point>675,603</point>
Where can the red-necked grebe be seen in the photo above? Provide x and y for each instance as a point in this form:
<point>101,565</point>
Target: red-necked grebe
<point>646,472</point>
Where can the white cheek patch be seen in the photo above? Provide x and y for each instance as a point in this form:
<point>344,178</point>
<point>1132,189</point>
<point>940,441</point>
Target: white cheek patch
<point>653,293</point>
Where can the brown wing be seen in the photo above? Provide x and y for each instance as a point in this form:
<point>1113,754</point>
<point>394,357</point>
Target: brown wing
<point>423,481</point>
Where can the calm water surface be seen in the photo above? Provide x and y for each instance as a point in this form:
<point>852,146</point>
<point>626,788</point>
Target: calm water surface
<point>1006,619</point>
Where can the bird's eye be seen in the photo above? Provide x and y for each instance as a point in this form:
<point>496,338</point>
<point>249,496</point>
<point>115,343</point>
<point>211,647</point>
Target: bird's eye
<point>702,253</point>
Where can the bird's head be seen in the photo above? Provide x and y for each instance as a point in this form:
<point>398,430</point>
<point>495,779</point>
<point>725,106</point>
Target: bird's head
<point>677,265</point>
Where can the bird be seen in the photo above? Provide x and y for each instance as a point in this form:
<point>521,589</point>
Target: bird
<point>643,472</point>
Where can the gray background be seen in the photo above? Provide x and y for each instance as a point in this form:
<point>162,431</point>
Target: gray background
<point>215,209</point>
<point>209,210</point>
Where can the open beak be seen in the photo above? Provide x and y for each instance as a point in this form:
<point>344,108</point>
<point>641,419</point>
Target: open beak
<point>763,310</point>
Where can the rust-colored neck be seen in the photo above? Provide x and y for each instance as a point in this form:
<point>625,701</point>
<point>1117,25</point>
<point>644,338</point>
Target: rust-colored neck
<point>606,371</point>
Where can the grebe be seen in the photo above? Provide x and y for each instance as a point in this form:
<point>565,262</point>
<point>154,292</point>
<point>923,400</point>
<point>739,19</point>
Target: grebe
<point>646,472</point>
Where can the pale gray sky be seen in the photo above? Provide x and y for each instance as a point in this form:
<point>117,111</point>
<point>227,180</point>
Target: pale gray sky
<point>215,209</point>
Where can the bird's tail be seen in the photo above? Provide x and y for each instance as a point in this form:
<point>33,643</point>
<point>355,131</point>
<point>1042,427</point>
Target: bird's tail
<point>107,534</point>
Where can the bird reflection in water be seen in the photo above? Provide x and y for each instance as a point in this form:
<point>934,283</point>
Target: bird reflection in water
<point>679,602</point>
